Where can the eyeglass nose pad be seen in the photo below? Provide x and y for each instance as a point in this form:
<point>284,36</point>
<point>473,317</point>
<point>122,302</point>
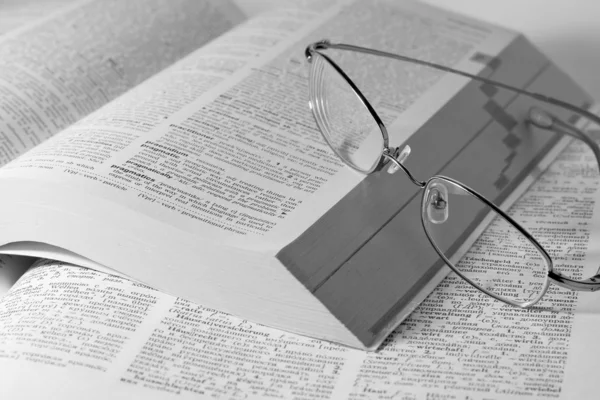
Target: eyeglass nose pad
<point>399,156</point>
<point>540,118</point>
<point>437,203</point>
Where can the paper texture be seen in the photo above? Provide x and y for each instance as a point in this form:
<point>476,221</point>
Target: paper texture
<point>18,13</point>
<point>11,268</point>
<point>223,146</point>
<point>106,48</point>
<point>218,156</point>
<point>57,64</point>
<point>83,332</point>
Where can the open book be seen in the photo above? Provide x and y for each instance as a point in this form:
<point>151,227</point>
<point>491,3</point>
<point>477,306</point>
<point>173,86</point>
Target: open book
<point>167,143</point>
<point>68,332</point>
<point>103,189</point>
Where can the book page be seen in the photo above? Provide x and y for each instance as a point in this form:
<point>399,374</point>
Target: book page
<point>223,145</point>
<point>116,339</point>
<point>462,344</point>
<point>11,268</point>
<point>17,13</point>
<point>122,340</point>
<point>119,338</point>
<point>64,66</point>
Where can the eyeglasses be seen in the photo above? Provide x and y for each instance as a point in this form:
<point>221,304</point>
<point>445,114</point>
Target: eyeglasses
<point>349,124</point>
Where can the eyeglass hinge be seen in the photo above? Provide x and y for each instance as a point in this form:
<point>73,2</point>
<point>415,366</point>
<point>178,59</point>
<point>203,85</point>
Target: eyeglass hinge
<point>320,45</point>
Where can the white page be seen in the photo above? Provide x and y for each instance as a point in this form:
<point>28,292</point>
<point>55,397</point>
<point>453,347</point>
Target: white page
<point>127,187</point>
<point>11,269</point>
<point>66,65</point>
<point>113,339</point>
<point>60,63</point>
<point>18,13</point>
<point>458,344</point>
<point>42,250</point>
<point>253,8</point>
<point>184,149</point>
<point>462,344</point>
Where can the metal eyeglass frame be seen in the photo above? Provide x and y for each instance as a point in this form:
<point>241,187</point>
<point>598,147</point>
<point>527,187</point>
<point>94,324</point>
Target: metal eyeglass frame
<point>537,117</point>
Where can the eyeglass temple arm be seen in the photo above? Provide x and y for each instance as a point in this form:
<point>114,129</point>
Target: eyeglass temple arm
<point>546,120</point>
<point>586,285</point>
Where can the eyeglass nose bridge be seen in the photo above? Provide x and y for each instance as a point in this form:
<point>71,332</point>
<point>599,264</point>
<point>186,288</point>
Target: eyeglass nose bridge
<point>400,156</point>
<point>397,158</point>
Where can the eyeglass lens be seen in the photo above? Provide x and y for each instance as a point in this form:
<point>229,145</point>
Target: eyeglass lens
<point>344,120</point>
<point>513,269</point>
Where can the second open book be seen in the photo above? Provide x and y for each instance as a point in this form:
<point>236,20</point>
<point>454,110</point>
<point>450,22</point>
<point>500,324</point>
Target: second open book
<point>210,180</point>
